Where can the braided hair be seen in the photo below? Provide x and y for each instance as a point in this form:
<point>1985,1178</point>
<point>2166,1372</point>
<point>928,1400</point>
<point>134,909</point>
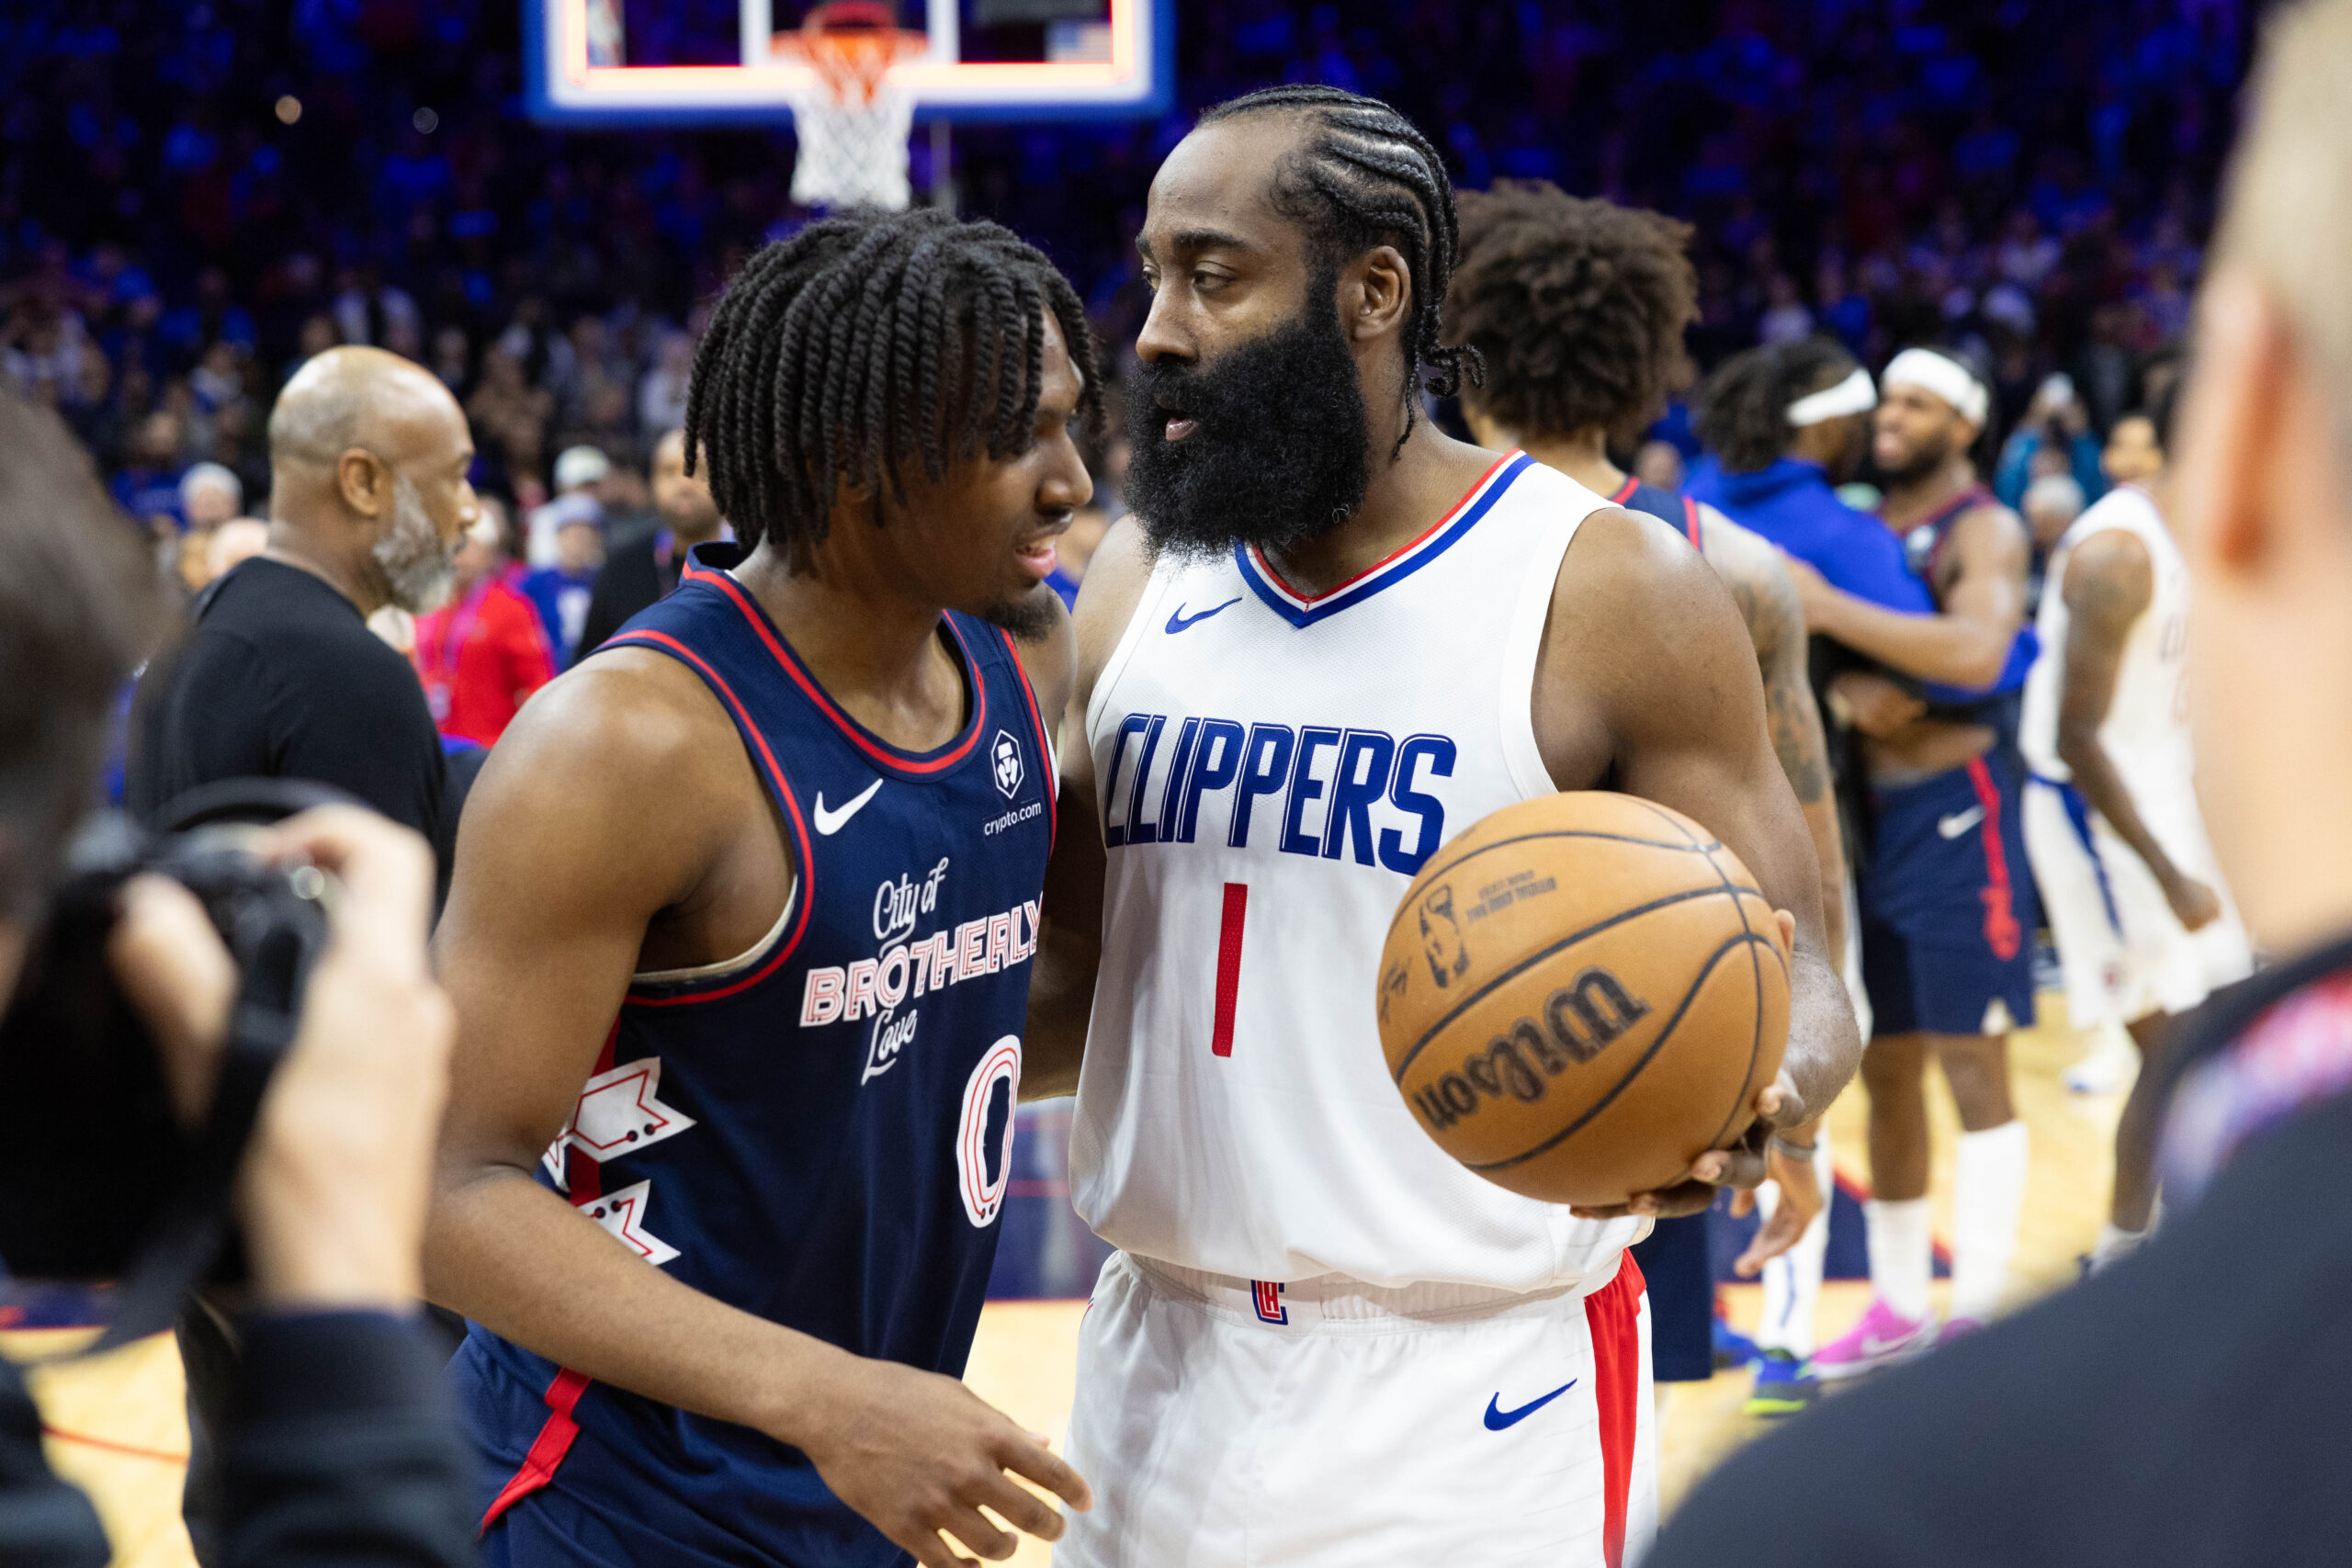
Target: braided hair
<point>1743,414</point>
<point>1366,177</point>
<point>1578,307</point>
<point>864,342</point>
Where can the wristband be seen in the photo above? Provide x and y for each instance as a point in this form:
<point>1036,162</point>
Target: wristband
<point>1793,1150</point>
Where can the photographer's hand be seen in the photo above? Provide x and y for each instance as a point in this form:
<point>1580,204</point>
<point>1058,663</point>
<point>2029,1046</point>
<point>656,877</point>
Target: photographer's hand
<point>332,1194</point>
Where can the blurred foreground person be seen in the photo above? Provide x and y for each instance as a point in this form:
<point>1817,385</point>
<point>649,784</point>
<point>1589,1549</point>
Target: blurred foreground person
<point>2182,1407</point>
<point>340,1449</point>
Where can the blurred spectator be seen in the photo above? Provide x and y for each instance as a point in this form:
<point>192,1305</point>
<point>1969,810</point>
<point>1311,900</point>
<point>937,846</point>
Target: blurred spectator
<point>367,309</point>
<point>579,474</point>
<point>645,570</point>
<point>1786,318</point>
<point>2056,427</point>
<point>234,543</point>
<point>148,484</point>
<point>560,593</point>
<point>2051,505</point>
<point>210,496</point>
<point>662,395</point>
<point>482,654</point>
<point>510,416</point>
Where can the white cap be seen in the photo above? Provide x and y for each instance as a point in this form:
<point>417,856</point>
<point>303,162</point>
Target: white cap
<point>578,466</point>
<point>212,475</point>
<point>1939,373</point>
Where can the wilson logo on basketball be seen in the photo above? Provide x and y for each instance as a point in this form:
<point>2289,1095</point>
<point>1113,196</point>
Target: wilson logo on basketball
<point>1579,1020</point>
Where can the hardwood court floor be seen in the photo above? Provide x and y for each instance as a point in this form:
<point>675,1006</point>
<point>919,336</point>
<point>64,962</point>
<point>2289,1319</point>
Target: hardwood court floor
<point>116,1428</point>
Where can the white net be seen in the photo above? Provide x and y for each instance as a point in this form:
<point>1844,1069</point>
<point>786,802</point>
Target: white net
<point>852,122</point>
<point>853,153</point>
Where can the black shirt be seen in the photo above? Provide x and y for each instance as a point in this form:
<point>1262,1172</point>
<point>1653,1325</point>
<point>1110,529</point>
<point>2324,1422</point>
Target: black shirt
<point>636,576</point>
<point>2183,1407</point>
<point>280,678</point>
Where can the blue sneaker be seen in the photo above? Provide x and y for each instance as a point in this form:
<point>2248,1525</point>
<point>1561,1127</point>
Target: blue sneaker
<point>1784,1385</point>
<point>1733,1349</point>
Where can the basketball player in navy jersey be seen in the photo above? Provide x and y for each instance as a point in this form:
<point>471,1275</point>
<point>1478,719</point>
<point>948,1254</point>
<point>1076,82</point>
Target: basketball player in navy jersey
<point>1331,638</point>
<point>1579,308</point>
<point>1947,899</point>
<point>741,943</point>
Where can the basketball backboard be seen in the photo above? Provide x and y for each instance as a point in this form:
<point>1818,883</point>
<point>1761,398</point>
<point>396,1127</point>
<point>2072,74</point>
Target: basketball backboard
<point>601,62</point>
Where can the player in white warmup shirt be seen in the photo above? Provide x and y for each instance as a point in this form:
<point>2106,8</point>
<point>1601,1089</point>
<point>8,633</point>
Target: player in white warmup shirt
<point>2144,927</point>
<point>1330,638</point>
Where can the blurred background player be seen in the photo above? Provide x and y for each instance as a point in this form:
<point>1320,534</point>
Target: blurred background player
<point>2143,925</point>
<point>647,570</point>
<point>1578,308</point>
<point>1947,899</point>
<point>2169,1411</point>
<point>1303,1275</point>
<point>740,950</point>
<point>561,592</point>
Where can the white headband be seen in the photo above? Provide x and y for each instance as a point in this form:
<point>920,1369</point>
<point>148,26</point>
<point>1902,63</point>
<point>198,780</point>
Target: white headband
<point>1853,395</point>
<point>1939,373</point>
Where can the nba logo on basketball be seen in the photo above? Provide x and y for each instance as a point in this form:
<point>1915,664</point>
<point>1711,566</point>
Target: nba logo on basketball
<point>1007,754</point>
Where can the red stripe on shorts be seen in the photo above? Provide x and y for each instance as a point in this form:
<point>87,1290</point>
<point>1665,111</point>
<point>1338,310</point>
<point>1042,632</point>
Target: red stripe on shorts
<point>548,1449</point>
<point>2001,933</point>
<point>1612,1317</point>
<point>1229,966</point>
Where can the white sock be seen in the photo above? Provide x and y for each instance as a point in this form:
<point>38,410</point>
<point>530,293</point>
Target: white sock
<point>1902,1254</point>
<point>1988,1192</point>
<point>1792,1280</point>
<point>2114,1242</point>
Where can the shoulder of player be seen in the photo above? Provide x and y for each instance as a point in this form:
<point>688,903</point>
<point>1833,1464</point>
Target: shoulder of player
<point>1629,582</point>
<point>2108,568</point>
<point>1049,658</point>
<point>1750,567</point>
<point>1993,527</point>
<point>1115,579</point>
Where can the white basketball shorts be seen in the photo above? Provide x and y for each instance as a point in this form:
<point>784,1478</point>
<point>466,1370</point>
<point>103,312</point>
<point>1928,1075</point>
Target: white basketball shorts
<point>2124,953</point>
<point>1330,1424</point>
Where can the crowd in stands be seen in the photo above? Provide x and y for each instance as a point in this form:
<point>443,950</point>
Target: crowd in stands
<point>193,198</point>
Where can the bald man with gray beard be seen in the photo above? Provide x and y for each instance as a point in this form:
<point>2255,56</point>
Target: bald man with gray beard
<point>278,676</point>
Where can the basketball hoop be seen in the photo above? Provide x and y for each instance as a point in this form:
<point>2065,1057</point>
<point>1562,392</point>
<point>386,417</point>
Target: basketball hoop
<point>853,123</point>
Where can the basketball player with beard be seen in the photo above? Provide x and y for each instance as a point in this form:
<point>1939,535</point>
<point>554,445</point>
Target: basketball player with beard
<point>1577,308</point>
<point>1947,900</point>
<point>740,948</point>
<point>1330,638</point>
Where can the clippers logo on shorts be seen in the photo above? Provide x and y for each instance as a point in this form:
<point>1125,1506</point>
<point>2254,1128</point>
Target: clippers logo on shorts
<point>1579,1020</point>
<point>1268,1294</point>
<point>1323,791</point>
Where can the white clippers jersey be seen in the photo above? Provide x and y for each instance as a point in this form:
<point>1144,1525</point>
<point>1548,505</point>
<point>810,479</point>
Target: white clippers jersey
<point>1272,770</point>
<point>2146,730</point>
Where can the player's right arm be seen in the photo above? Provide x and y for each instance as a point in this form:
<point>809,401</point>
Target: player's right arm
<point>1069,948</point>
<point>1967,643</point>
<point>612,799</point>
<point>2109,585</point>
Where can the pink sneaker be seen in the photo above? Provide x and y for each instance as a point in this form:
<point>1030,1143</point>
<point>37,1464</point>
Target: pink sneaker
<point>1884,1338</point>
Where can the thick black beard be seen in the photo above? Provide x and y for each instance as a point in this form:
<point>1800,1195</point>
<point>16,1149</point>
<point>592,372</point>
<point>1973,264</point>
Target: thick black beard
<point>1279,453</point>
<point>1030,618</point>
<point>1932,455</point>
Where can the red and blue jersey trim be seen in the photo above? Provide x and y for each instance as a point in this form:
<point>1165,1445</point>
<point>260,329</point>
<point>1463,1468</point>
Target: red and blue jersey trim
<point>805,896</point>
<point>889,758</point>
<point>1044,741</point>
<point>1306,609</point>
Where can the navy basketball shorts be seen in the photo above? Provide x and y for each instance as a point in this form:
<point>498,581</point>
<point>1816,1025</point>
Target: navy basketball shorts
<point>1675,1262</point>
<point>1948,904</point>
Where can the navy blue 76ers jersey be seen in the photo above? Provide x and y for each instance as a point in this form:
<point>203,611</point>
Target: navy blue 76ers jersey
<point>819,1133</point>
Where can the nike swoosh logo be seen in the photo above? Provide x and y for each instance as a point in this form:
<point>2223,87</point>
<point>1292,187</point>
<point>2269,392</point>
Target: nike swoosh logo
<point>1497,1418</point>
<point>1960,822</point>
<point>831,822</point>
<point>1177,620</point>
<point>1873,1345</point>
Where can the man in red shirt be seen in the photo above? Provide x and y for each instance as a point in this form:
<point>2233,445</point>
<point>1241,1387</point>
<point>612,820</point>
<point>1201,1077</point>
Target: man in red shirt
<point>484,652</point>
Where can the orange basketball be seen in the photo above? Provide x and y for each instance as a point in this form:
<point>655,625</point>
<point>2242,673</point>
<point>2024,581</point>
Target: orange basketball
<point>1583,994</point>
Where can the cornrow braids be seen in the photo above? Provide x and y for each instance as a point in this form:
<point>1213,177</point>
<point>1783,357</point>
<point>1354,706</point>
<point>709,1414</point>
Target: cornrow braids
<point>1743,412</point>
<point>1577,305</point>
<point>1366,175</point>
<point>866,342</point>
